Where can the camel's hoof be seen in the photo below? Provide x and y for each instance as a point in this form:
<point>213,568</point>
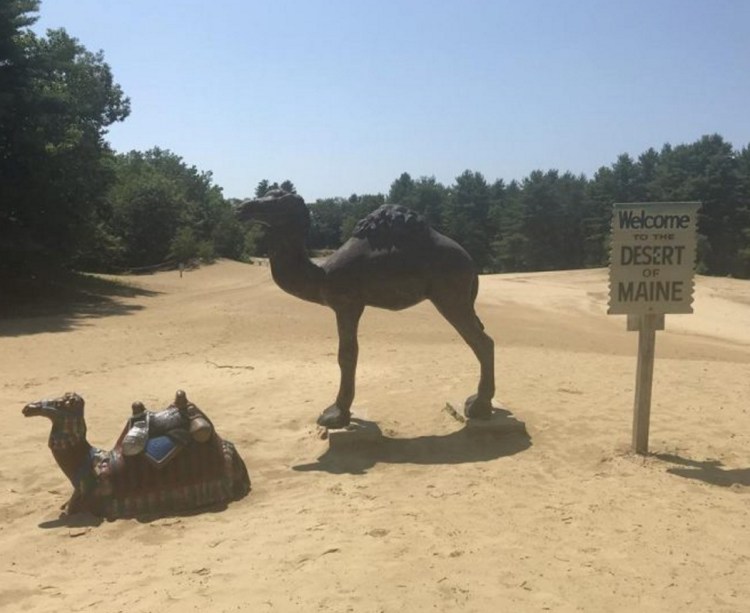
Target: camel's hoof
<point>334,417</point>
<point>477,408</point>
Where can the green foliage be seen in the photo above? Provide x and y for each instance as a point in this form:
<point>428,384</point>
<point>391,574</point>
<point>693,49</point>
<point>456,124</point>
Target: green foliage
<point>326,219</point>
<point>228,236</point>
<point>347,227</point>
<point>430,198</point>
<point>206,252</point>
<point>56,101</point>
<point>264,187</point>
<point>159,208</point>
<point>465,215</point>
<point>159,204</point>
<point>552,221</point>
<point>253,243</point>
<point>145,214</point>
<point>402,191</point>
<point>184,245</point>
<point>707,170</point>
<point>425,195</point>
<point>333,219</point>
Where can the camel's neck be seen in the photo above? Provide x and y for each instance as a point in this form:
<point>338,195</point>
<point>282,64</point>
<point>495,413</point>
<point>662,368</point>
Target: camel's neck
<point>70,447</point>
<point>294,272</point>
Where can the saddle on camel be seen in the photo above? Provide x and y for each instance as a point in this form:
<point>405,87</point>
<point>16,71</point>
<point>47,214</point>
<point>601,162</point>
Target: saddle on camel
<point>163,462</point>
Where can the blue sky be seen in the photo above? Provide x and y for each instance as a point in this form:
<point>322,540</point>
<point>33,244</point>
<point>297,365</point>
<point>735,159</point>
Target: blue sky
<point>342,97</point>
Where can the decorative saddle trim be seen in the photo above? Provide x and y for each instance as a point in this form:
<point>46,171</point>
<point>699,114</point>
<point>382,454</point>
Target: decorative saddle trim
<point>160,434</point>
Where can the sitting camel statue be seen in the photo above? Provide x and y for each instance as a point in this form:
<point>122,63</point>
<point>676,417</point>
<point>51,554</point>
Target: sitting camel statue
<point>178,468</point>
<point>394,260</point>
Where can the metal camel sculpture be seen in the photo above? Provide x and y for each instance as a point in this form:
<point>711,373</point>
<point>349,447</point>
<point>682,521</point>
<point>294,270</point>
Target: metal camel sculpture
<point>181,477</point>
<point>394,260</point>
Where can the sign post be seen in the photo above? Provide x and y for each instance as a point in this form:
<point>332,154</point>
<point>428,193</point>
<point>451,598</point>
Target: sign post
<point>652,261</point>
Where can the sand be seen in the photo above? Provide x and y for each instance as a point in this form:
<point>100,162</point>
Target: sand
<point>562,519</point>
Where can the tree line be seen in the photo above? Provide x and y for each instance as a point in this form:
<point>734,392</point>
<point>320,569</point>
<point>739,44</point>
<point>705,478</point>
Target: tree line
<point>67,197</point>
<point>552,220</point>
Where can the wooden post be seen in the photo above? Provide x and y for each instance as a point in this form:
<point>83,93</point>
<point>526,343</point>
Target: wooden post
<point>645,288</point>
<point>647,326</point>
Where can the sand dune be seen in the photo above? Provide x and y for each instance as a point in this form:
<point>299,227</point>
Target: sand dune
<point>564,519</point>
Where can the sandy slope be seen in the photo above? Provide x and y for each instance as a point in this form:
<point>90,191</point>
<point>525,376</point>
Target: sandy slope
<point>562,520</point>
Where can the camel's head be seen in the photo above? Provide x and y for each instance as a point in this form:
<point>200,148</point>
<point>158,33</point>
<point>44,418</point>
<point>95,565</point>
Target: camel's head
<point>70,404</point>
<point>66,414</point>
<point>278,209</point>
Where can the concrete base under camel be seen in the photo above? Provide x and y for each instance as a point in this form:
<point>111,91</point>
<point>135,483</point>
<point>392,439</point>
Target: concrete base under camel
<point>502,421</point>
<point>358,431</point>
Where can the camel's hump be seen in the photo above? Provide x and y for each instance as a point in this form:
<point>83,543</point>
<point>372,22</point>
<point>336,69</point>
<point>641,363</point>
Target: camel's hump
<point>391,225</point>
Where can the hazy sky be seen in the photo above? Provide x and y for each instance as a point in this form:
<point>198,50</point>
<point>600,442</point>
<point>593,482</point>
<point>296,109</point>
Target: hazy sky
<point>342,96</point>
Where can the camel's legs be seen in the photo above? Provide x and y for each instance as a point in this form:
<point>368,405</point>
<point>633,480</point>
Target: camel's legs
<point>347,321</point>
<point>461,315</point>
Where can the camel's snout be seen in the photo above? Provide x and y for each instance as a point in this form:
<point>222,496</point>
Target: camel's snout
<point>32,409</point>
<point>45,408</point>
<point>275,209</point>
<point>253,210</point>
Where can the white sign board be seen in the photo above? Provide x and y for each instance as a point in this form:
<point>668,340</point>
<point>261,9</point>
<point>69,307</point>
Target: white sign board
<point>652,258</point>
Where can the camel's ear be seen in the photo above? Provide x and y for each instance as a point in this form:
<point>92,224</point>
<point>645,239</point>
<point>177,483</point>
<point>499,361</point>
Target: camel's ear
<point>73,402</point>
<point>291,205</point>
<point>292,198</point>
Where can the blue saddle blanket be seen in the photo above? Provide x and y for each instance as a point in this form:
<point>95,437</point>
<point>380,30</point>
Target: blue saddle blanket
<point>161,449</point>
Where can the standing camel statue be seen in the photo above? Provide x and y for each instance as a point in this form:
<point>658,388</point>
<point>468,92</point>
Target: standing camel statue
<point>394,260</point>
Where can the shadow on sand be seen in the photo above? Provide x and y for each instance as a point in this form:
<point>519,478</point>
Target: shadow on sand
<point>709,471</point>
<point>89,520</point>
<point>77,520</point>
<point>59,301</point>
<point>463,446</point>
